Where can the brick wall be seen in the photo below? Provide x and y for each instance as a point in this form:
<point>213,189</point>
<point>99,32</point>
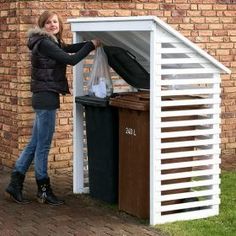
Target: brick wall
<point>211,24</point>
<point>9,59</point>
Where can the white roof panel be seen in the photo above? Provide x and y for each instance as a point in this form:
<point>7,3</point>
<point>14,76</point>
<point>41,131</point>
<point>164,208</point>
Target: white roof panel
<point>133,34</point>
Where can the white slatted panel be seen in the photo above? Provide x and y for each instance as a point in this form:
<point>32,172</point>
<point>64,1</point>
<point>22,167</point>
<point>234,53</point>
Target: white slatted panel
<point>190,135</point>
<point>193,143</point>
<point>190,194</point>
<point>187,216</point>
<point>209,121</point>
<point>196,153</point>
<point>190,81</point>
<point>193,184</point>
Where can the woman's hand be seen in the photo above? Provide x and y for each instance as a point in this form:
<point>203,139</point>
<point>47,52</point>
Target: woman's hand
<point>96,43</point>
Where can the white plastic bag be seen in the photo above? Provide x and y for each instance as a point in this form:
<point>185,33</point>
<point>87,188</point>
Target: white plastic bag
<point>100,84</point>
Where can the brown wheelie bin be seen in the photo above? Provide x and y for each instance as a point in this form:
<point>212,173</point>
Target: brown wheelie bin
<point>134,153</point>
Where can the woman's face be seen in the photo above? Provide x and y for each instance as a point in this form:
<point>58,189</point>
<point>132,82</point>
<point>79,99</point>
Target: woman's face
<point>52,25</point>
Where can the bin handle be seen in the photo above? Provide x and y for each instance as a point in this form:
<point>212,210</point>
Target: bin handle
<point>132,55</point>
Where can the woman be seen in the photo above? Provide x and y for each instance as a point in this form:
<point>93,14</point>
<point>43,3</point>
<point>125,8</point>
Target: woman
<point>49,58</point>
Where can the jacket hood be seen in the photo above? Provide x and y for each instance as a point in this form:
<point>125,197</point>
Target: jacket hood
<point>37,34</point>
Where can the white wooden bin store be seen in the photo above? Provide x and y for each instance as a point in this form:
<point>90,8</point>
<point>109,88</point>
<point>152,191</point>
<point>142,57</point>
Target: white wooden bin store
<point>177,68</point>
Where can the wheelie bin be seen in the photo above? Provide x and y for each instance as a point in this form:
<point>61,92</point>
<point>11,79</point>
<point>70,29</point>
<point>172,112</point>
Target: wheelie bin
<point>134,152</point>
<point>102,146</point>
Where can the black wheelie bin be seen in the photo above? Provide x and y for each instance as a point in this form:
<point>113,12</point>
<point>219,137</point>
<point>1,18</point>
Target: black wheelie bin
<point>102,146</point>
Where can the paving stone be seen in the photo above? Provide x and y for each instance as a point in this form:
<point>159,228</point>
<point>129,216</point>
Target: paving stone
<point>80,216</point>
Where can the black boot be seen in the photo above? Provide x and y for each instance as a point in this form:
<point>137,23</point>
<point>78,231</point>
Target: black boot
<point>14,189</point>
<point>45,193</point>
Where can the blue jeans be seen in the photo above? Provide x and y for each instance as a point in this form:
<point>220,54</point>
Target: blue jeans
<point>38,147</point>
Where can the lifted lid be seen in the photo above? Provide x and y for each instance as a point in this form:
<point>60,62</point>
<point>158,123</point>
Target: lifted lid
<point>124,63</point>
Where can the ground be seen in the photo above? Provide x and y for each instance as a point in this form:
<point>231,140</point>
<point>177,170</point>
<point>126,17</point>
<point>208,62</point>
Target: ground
<point>80,216</point>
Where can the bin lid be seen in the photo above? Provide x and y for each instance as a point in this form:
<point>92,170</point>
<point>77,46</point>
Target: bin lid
<point>134,100</point>
<point>124,63</point>
<point>92,101</point>
<point>141,101</point>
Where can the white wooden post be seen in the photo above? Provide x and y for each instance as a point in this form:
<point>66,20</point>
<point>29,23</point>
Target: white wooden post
<point>216,156</point>
<point>155,128</point>
<point>78,155</point>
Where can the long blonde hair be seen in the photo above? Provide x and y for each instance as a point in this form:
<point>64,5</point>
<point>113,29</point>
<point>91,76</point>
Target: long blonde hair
<point>44,17</point>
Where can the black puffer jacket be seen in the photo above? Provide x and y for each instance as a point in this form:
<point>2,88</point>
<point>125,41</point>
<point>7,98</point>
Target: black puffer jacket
<point>49,60</point>
<point>46,74</point>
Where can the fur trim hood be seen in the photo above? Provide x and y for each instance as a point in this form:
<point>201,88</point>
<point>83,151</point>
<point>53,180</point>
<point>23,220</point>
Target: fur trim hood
<point>36,34</point>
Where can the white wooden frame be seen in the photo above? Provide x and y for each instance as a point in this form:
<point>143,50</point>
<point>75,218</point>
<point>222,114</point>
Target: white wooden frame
<point>203,80</point>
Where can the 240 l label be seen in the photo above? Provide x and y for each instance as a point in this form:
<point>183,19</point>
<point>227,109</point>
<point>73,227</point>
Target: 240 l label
<point>130,131</point>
